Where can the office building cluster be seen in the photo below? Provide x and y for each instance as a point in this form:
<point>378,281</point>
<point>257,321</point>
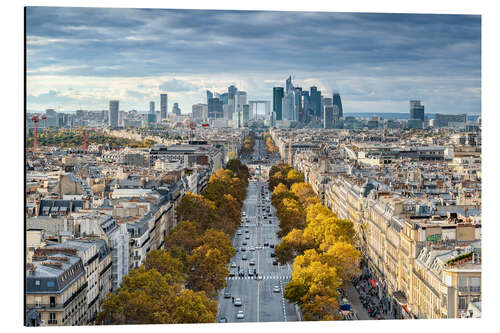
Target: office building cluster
<point>231,109</point>
<point>415,201</point>
<point>294,107</point>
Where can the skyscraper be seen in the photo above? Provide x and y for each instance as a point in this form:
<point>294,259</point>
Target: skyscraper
<point>209,95</point>
<point>215,109</point>
<point>197,110</point>
<point>289,85</point>
<point>241,99</point>
<point>113,114</point>
<point>278,95</point>
<point>289,101</point>
<point>289,106</point>
<point>231,91</point>
<point>416,110</point>
<point>306,107</point>
<point>337,101</point>
<point>246,114</point>
<point>152,107</point>
<point>163,106</point>
<point>328,113</point>
<point>315,98</point>
<point>298,103</point>
<point>224,98</point>
<point>176,110</point>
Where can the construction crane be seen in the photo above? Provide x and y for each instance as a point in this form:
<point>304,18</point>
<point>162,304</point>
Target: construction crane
<point>35,120</point>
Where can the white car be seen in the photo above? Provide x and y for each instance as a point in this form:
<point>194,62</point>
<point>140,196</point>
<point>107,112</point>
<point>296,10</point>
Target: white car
<point>240,315</point>
<point>252,248</point>
<point>276,289</point>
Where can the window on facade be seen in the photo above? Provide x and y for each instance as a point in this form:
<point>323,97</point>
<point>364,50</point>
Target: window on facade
<point>475,282</point>
<point>444,300</point>
<point>37,282</point>
<point>463,282</point>
<point>50,284</point>
<point>462,303</point>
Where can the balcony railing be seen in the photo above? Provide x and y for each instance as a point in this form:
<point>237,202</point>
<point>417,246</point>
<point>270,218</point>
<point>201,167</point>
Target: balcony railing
<point>52,322</point>
<point>463,289</point>
<point>475,289</point>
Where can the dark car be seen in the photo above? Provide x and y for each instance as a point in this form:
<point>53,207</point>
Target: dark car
<point>273,255</point>
<point>275,262</point>
<point>222,320</point>
<point>271,246</point>
<point>244,243</point>
<point>231,273</point>
<point>266,244</point>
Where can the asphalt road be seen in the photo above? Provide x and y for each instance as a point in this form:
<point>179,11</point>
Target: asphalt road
<point>259,302</point>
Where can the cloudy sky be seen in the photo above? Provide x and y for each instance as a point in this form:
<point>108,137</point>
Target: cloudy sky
<point>83,57</point>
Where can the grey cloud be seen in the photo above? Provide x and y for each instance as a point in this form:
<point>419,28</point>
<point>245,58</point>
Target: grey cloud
<point>175,85</point>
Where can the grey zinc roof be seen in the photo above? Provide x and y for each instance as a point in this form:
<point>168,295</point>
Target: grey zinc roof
<point>52,279</point>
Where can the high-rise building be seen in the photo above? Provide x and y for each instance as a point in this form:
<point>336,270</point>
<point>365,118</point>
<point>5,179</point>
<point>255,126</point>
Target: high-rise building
<point>113,114</point>
<point>176,110</point>
<point>450,120</point>
<point>246,114</point>
<point>315,98</point>
<point>328,113</point>
<point>416,110</point>
<point>338,102</point>
<point>289,85</point>
<point>306,107</point>
<point>215,109</point>
<point>209,95</point>
<point>198,112</point>
<point>298,103</point>
<point>152,107</point>
<point>227,111</point>
<point>231,91</point>
<point>224,98</point>
<point>289,108</point>
<point>163,106</point>
<point>241,99</point>
<point>278,95</point>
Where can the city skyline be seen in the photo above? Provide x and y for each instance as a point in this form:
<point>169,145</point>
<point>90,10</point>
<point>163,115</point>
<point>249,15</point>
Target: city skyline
<point>376,61</point>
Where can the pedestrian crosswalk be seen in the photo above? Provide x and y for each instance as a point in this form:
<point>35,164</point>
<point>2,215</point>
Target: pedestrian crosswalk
<point>270,277</point>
